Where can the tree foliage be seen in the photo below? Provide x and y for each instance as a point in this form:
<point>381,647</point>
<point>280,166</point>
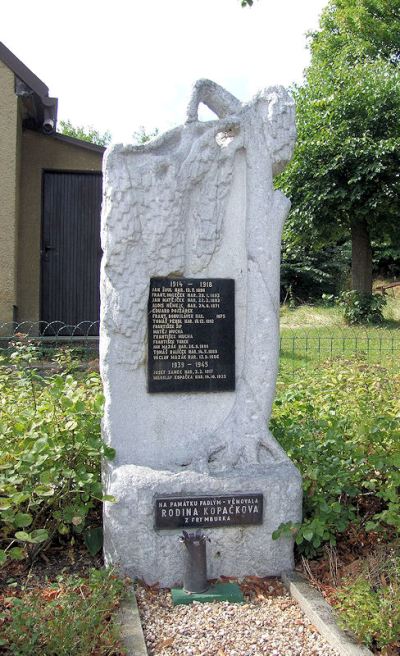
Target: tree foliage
<point>308,273</point>
<point>344,176</point>
<point>347,158</point>
<point>352,30</point>
<point>143,135</point>
<point>85,133</point>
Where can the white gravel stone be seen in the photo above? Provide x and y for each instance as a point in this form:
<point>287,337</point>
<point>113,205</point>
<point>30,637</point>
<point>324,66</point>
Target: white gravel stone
<point>271,626</point>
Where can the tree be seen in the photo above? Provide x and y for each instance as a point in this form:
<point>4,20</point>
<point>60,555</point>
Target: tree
<point>85,133</point>
<point>344,177</point>
<point>142,136</point>
<point>355,29</point>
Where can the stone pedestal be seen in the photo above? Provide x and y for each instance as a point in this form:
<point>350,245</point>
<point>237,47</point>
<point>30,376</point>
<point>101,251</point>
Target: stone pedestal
<point>132,542</point>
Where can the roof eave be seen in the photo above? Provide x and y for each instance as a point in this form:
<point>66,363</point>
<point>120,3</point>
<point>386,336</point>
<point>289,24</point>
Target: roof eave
<point>28,84</point>
<point>78,142</point>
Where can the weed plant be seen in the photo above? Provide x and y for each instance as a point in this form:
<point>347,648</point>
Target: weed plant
<point>74,616</point>
<point>370,605</point>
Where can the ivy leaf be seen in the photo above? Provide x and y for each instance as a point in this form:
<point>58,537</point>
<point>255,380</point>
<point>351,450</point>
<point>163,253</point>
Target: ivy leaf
<point>21,520</point>
<point>109,452</point>
<point>93,538</point>
<point>16,553</point>
<point>308,534</point>
<point>23,536</point>
<point>44,490</point>
<point>5,503</point>
<point>40,535</point>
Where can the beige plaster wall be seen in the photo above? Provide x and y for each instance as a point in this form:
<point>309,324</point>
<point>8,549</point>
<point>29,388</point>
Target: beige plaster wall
<point>8,192</point>
<point>40,152</point>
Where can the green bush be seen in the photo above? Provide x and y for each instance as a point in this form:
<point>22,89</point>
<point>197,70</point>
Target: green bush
<point>340,425</point>
<point>362,308</point>
<point>50,451</point>
<point>73,616</point>
<point>371,609</point>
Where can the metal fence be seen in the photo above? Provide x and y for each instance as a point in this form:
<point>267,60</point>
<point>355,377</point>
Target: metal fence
<point>43,330</point>
<point>299,348</point>
<point>307,349</point>
<point>83,337</point>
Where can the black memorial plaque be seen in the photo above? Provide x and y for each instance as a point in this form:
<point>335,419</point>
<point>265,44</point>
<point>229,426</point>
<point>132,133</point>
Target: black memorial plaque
<point>209,511</point>
<point>191,330</point>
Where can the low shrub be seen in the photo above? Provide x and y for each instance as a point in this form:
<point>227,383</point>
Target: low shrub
<point>371,607</point>
<point>362,308</point>
<point>72,616</point>
<point>340,425</point>
<point>50,451</point>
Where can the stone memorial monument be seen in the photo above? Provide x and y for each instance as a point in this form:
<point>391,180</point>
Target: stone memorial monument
<point>189,345</point>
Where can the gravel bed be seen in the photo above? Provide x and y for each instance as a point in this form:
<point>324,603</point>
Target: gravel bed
<point>269,623</point>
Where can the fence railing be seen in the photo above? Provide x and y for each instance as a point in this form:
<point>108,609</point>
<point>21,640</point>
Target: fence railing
<point>307,349</point>
<point>299,348</point>
<point>83,336</point>
<point>49,329</point>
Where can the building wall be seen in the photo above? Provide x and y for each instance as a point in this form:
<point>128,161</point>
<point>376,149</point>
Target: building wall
<point>38,153</point>
<point>8,192</point>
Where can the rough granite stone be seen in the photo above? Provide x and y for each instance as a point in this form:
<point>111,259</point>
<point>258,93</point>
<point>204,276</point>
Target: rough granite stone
<point>156,556</point>
<point>197,201</point>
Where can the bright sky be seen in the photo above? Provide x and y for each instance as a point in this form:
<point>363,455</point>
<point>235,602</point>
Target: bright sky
<point>122,64</point>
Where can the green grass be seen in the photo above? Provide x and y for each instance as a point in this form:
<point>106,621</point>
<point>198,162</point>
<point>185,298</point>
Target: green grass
<point>313,334</point>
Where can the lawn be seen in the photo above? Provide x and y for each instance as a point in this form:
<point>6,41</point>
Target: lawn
<point>310,335</point>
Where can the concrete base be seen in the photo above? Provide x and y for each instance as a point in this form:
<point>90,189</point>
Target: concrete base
<point>133,544</point>
<point>219,592</point>
<point>131,631</point>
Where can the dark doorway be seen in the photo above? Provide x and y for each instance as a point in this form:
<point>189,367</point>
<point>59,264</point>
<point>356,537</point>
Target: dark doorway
<point>71,251</point>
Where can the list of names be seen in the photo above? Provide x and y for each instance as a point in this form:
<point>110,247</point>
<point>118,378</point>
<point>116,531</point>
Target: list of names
<point>191,335</point>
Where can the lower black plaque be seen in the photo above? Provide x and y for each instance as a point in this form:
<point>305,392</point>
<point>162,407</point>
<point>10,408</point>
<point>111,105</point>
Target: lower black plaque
<point>209,511</point>
<point>191,335</point>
